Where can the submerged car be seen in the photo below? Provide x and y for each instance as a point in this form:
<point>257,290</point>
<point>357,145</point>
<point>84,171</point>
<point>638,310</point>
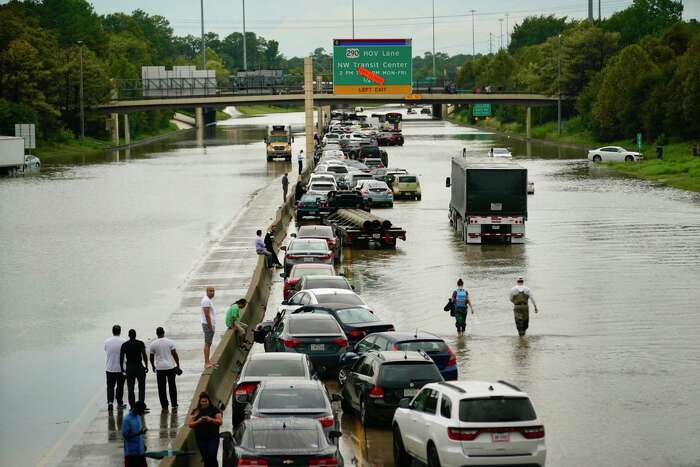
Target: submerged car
<point>323,232</point>
<point>310,205</point>
<point>357,322</point>
<point>406,186</point>
<point>299,271</point>
<point>500,152</point>
<point>377,193</point>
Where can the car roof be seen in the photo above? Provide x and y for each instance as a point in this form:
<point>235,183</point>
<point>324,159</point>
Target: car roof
<point>276,356</point>
<point>398,336</point>
<point>394,356</point>
<point>477,389</point>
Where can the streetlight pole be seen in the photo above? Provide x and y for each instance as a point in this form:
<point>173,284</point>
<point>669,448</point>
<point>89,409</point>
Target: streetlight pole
<point>353,19</point>
<point>507,30</point>
<point>245,52</point>
<point>82,96</point>
<point>434,39</point>
<point>204,51</point>
<point>473,49</point>
<point>559,87</point>
<point>500,39</point>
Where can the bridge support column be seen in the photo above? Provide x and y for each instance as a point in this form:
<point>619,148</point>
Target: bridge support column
<point>127,131</point>
<point>115,129</point>
<point>199,117</point>
<point>320,120</point>
<point>309,107</point>
<point>528,123</point>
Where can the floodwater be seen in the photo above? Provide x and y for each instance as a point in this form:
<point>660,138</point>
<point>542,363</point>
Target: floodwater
<point>612,360</point>
<point>90,243</point>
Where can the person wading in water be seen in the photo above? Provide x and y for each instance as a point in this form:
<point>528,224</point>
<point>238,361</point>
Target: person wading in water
<point>520,296</point>
<point>460,300</point>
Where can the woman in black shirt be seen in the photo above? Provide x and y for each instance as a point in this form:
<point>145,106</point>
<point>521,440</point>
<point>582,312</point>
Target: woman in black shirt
<point>205,420</point>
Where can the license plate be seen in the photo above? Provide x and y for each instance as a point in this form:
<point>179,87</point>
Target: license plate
<point>377,236</point>
<point>410,392</point>
<point>500,437</point>
<point>317,347</point>
<point>308,260</point>
<point>496,227</point>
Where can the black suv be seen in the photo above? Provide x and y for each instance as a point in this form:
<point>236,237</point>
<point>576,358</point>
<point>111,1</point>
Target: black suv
<point>379,380</point>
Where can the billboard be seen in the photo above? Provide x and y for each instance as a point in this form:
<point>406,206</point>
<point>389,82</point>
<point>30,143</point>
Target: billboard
<point>372,66</point>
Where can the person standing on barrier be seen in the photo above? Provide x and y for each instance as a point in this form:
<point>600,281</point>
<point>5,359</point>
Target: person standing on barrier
<point>285,187</point>
<point>460,300</point>
<point>520,296</point>
<point>206,420</point>
<point>132,432</point>
<point>233,322</point>
<point>134,352</point>
<point>300,160</point>
<point>166,364</point>
<point>113,370</point>
<point>208,320</point>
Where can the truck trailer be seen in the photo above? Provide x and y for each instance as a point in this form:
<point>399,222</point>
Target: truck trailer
<point>279,142</point>
<point>488,201</point>
<point>11,155</point>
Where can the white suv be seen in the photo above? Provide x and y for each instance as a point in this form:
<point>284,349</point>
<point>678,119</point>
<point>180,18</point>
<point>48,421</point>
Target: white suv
<point>468,423</point>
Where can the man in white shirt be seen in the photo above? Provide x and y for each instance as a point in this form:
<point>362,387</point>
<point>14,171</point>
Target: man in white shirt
<point>208,320</point>
<point>520,296</point>
<point>113,370</point>
<point>166,365</point>
<point>300,160</point>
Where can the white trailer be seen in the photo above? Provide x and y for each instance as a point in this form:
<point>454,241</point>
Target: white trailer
<point>11,155</point>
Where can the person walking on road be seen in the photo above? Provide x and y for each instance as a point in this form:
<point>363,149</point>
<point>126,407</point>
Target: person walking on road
<point>233,321</point>
<point>132,432</point>
<point>270,246</point>
<point>300,160</point>
<point>520,296</point>
<point>166,364</point>
<point>208,320</point>
<point>113,369</point>
<point>134,352</point>
<point>460,300</point>
<point>206,420</point>
<point>285,187</point>
<point>260,248</point>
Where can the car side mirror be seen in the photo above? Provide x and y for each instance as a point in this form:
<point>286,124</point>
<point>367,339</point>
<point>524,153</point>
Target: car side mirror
<point>293,235</point>
<point>336,398</point>
<point>334,435</point>
<point>352,287</point>
<point>448,182</point>
<point>283,275</point>
<point>285,302</point>
<point>283,248</point>
<point>349,358</point>
<point>405,403</point>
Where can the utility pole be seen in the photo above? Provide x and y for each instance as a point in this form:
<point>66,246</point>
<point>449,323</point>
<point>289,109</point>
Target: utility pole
<point>590,10</point>
<point>204,50</point>
<point>353,19</point>
<point>559,87</point>
<point>473,50</point>
<point>245,52</point>
<point>599,16</point>
<point>82,100</point>
<point>507,31</point>
<point>434,39</point>
<point>500,42</point>
<point>490,43</point>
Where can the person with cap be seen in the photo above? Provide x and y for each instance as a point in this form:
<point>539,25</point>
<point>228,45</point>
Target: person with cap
<point>520,296</point>
<point>300,160</point>
<point>132,432</point>
<point>166,365</point>
<point>460,301</point>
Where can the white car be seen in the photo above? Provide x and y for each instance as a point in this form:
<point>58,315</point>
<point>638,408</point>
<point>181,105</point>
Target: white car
<point>333,154</point>
<point>329,137</point>
<point>613,153</point>
<point>321,188</point>
<point>468,423</point>
<point>323,296</point>
<point>322,178</point>
<point>501,152</point>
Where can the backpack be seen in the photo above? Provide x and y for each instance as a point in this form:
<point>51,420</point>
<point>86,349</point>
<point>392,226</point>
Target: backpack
<point>461,298</point>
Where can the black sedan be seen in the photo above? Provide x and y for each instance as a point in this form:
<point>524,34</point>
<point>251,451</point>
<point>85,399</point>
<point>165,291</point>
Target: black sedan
<point>357,322</point>
<point>287,441</point>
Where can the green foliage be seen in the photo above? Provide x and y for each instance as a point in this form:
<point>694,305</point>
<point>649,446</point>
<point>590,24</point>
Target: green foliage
<point>644,17</point>
<point>535,30</point>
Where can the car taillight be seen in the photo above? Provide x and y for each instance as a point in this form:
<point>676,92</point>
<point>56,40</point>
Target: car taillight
<point>376,392</point>
<point>291,343</point>
<point>246,388</point>
<point>462,434</point>
<point>356,333</point>
<point>452,361</point>
<point>291,282</point>
<point>331,242</point>
<point>328,256</point>
<point>340,342</point>
<point>323,462</point>
<point>533,432</point>
<point>326,422</point>
<point>292,256</point>
<point>250,461</point>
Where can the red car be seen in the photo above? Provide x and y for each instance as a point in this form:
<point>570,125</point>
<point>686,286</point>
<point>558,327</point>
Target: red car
<point>300,270</point>
<point>324,232</point>
<point>390,138</point>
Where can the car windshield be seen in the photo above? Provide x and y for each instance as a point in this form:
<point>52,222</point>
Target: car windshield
<point>280,368</point>
<point>378,186</point>
<point>308,245</point>
<point>313,326</point>
<point>500,151</point>
<point>331,136</point>
<point>401,374</point>
<point>355,315</point>
<point>301,272</point>
<point>407,179</point>
<point>308,199</point>
<point>425,346</point>
<point>284,439</point>
<point>278,139</point>
<point>326,283</point>
<point>321,187</point>
<point>496,409</point>
<point>342,298</point>
<point>291,398</point>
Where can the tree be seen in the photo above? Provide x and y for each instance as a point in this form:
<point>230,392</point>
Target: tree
<point>644,17</point>
<point>585,51</point>
<point>535,30</point>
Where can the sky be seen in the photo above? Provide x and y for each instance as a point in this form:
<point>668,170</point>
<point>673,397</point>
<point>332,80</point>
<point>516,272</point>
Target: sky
<point>302,25</point>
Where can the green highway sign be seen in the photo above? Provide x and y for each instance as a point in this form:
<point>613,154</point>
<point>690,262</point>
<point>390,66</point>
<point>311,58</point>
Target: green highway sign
<point>372,66</point>
<point>481,110</point>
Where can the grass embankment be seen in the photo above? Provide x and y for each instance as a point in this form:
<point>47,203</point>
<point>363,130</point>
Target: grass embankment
<point>260,109</point>
<point>679,168</point>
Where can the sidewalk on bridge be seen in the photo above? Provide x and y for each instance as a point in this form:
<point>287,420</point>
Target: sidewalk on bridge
<point>228,266</point>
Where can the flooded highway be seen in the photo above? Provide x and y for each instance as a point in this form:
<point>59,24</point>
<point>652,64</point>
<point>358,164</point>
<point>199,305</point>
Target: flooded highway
<point>610,362</point>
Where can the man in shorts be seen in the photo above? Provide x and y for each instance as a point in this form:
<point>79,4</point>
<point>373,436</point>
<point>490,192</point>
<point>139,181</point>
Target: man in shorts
<point>520,296</point>
<point>208,320</point>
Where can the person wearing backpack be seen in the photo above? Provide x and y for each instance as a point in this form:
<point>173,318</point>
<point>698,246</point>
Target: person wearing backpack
<point>460,300</point>
<point>520,296</point>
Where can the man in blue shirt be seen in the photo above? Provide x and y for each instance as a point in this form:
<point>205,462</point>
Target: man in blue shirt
<point>133,431</point>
